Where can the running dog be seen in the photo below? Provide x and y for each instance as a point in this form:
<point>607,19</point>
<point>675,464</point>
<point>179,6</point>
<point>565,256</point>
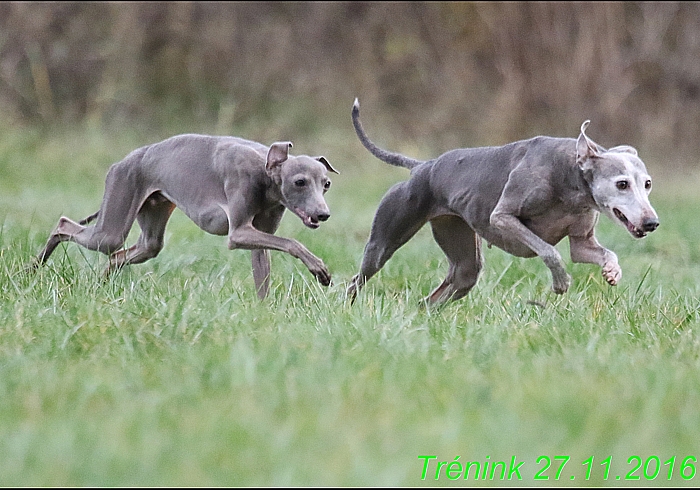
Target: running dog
<point>523,197</point>
<point>226,185</point>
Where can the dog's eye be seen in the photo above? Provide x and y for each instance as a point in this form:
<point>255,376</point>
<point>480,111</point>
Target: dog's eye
<point>300,183</point>
<point>327,185</point>
<point>622,185</point>
<point>647,184</point>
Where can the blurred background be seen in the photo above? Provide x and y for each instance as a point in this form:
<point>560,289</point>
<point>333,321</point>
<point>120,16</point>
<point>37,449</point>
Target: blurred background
<point>430,76</point>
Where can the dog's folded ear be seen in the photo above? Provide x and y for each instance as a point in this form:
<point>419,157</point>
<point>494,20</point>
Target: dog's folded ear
<point>586,148</point>
<point>328,165</point>
<point>624,149</point>
<point>278,153</point>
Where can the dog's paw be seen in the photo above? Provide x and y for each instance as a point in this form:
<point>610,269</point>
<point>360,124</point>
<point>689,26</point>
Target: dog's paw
<point>561,284</point>
<point>324,279</point>
<point>351,293</point>
<point>317,268</point>
<point>353,288</point>
<point>323,276</point>
<point>612,273</point>
<point>31,267</point>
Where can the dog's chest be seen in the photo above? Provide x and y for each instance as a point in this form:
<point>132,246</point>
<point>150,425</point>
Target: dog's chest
<point>551,227</point>
<point>555,224</point>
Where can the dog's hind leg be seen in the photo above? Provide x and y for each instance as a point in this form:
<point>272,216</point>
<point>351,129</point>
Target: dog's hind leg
<point>114,219</point>
<point>463,250</point>
<point>63,231</point>
<point>152,219</point>
<point>401,213</point>
<point>91,237</point>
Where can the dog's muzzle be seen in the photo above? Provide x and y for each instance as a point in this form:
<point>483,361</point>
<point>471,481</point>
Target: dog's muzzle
<point>648,225</point>
<point>312,221</point>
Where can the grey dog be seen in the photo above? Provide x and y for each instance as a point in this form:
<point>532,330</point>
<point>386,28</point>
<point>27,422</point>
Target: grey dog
<point>226,185</point>
<point>523,197</point>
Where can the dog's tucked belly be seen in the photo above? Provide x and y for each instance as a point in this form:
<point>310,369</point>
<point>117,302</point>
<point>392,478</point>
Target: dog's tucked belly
<point>212,219</point>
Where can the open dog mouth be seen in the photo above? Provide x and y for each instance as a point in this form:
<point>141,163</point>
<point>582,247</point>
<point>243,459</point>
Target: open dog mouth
<point>634,231</point>
<point>307,219</point>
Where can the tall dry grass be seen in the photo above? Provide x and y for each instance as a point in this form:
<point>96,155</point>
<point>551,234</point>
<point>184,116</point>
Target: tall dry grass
<point>442,74</point>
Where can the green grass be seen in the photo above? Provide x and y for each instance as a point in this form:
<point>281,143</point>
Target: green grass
<point>172,372</point>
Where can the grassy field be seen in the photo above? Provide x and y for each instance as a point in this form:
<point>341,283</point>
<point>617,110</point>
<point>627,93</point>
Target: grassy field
<point>173,373</point>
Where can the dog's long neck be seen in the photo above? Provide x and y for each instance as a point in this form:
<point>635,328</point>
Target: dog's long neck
<point>582,182</point>
<point>270,188</point>
<point>574,187</point>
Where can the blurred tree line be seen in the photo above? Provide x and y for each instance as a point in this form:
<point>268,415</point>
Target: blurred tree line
<point>443,75</point>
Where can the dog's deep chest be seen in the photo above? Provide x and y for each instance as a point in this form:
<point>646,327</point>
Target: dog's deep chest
<point>551,226</point>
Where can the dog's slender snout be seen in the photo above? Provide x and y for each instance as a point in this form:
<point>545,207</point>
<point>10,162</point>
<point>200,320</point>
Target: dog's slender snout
<point>650,224</point>
<point>323,216</point>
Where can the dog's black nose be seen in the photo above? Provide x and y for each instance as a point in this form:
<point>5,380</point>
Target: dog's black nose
<point>323,217</point>
<point>650,224</point>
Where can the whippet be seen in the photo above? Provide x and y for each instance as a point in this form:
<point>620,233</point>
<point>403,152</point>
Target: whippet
<point>226,185</point>
<point>523,197</point>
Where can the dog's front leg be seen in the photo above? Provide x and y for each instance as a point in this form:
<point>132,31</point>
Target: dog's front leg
<point>248,238</point>
<point>510,225</point>
<point>267,221</point>
<point>527,192</point>
<point>261,271</point>
<point>587,250</point>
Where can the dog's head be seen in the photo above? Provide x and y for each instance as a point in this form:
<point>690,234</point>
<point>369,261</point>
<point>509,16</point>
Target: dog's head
<point>619,183</point>
<point>302,181</point>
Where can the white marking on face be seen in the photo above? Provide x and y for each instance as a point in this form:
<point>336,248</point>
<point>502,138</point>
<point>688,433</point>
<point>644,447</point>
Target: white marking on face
<point>621,189</point>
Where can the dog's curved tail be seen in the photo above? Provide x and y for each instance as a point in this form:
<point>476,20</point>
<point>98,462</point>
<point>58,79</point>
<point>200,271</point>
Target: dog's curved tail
<point>385,156</point>
<point>89,219</point>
